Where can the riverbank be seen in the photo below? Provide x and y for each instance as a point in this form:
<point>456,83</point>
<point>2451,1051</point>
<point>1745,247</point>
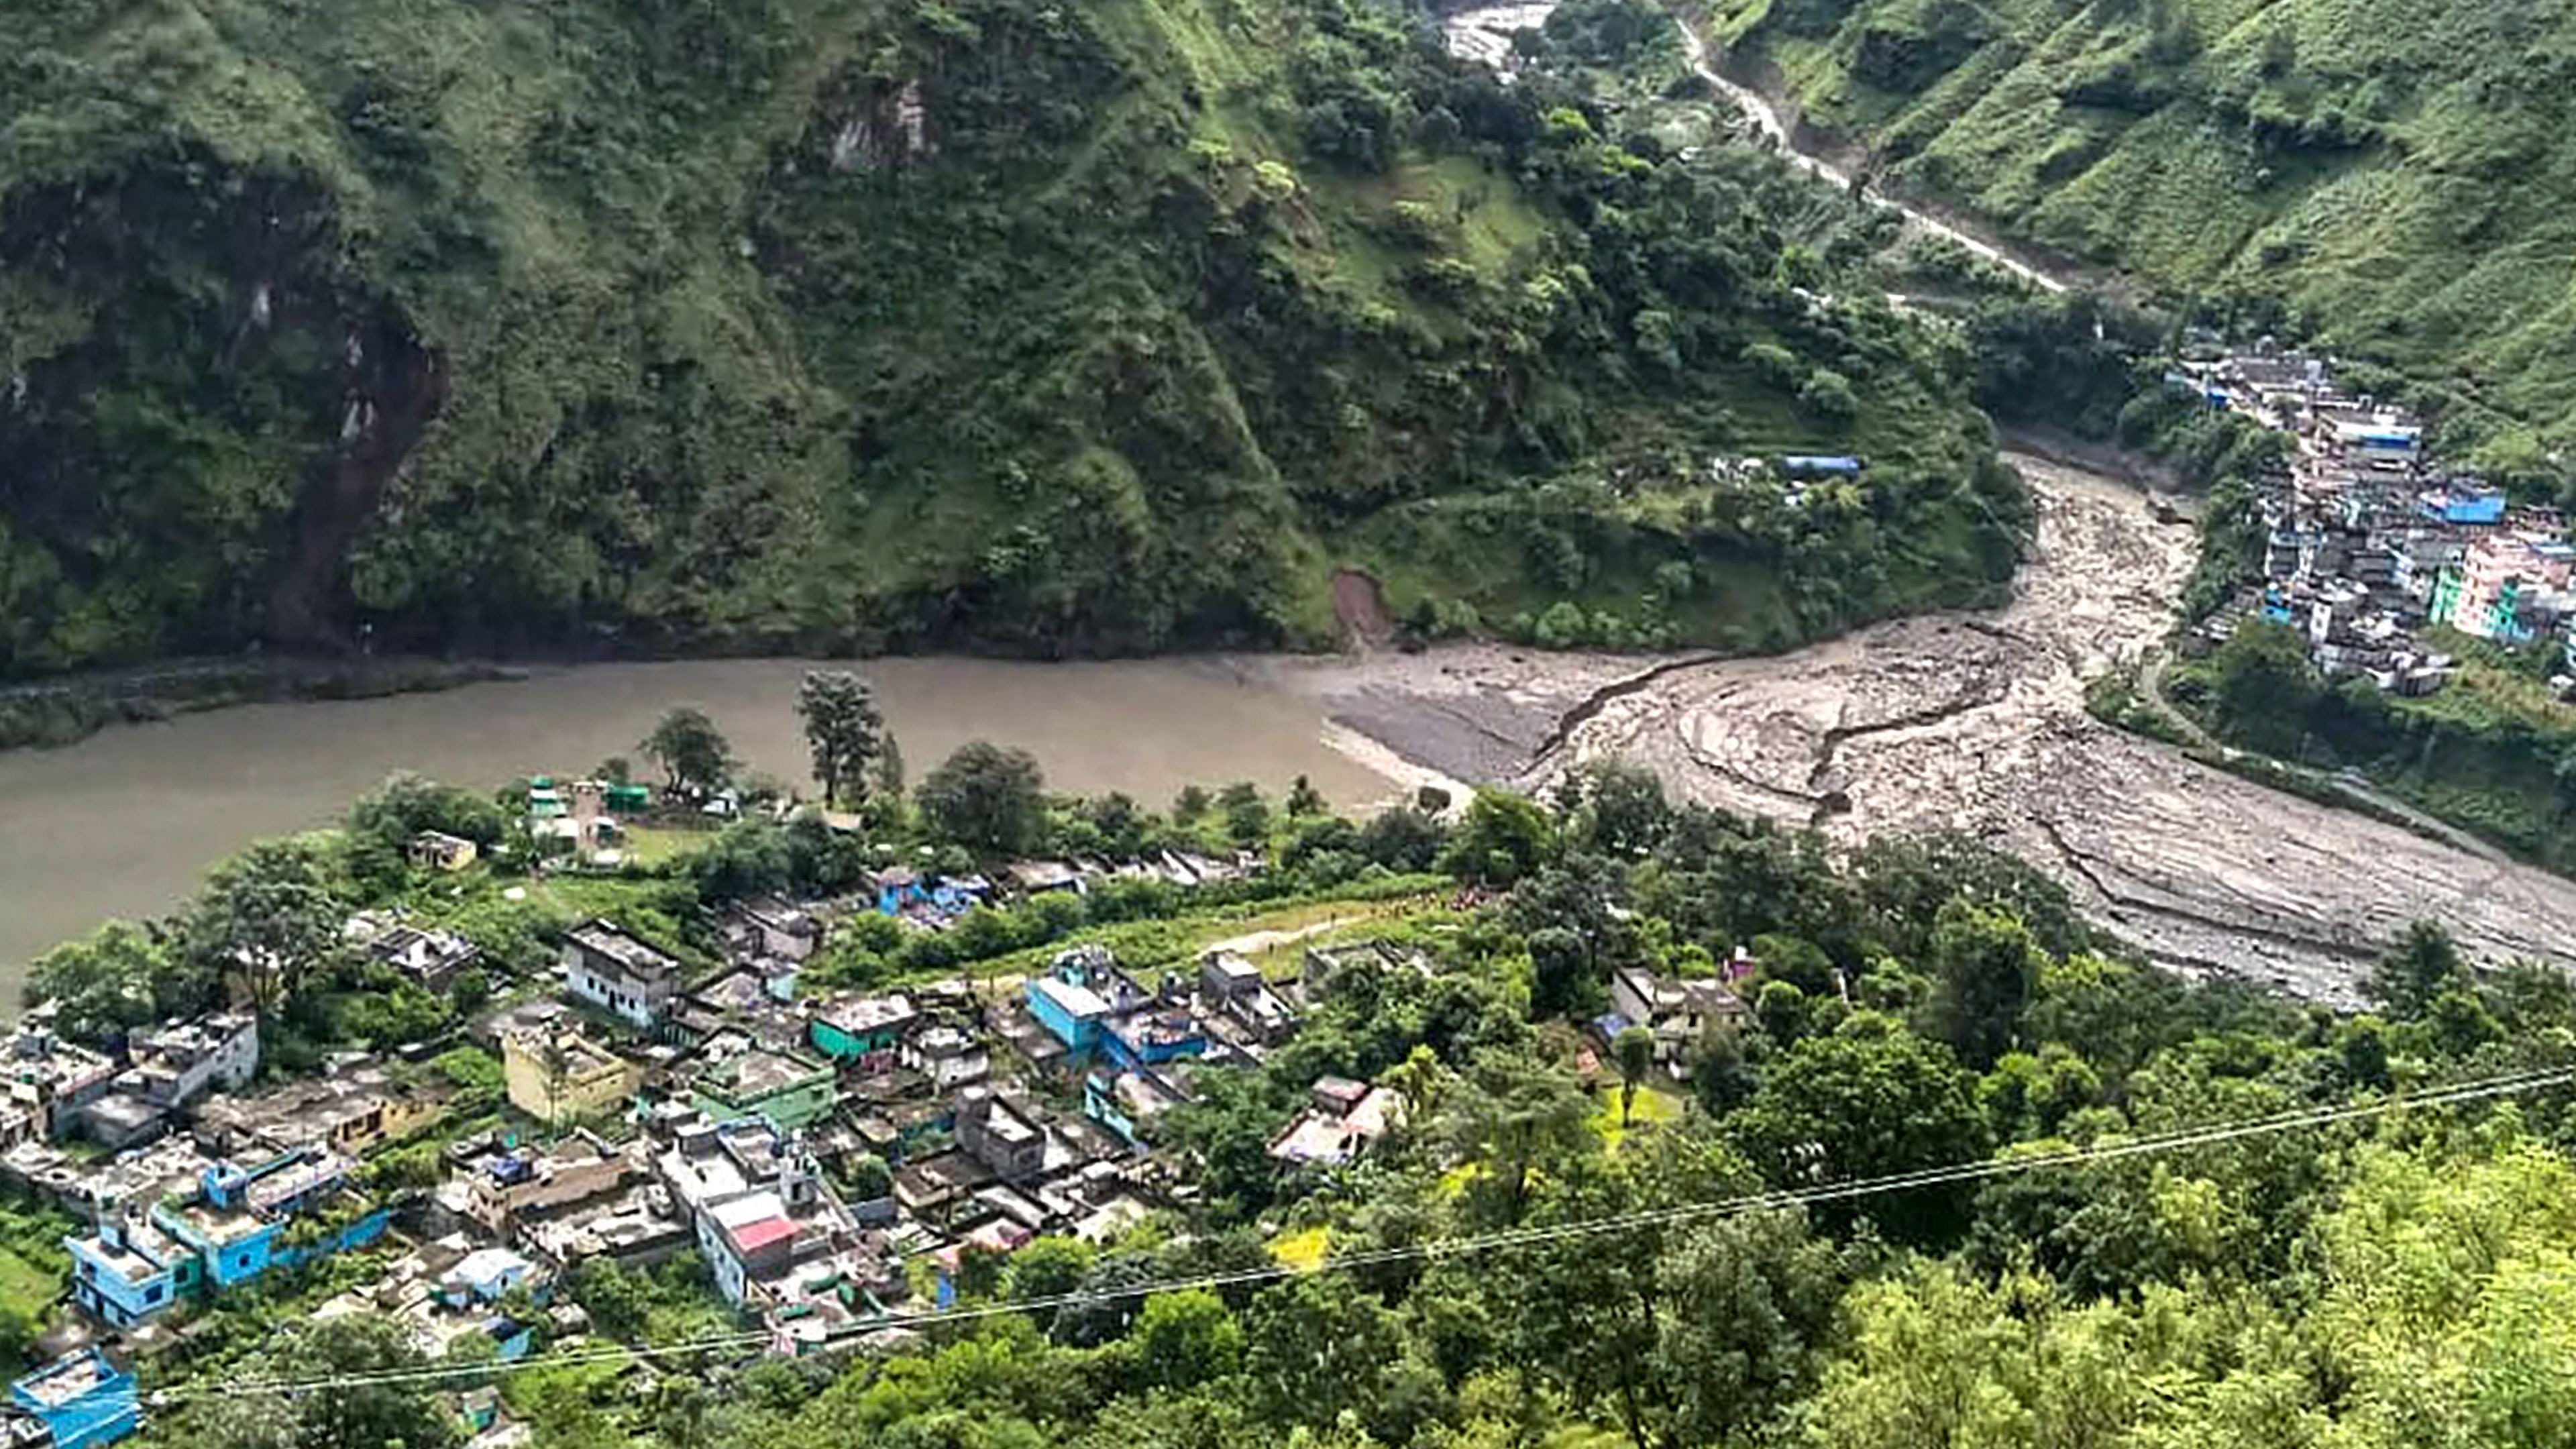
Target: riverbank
<point>1976,722</point>
<point>53,712</point>
<point>125,822</point>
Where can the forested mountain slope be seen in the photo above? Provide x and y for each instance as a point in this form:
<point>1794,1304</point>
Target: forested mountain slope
<point>2399,175</point>
<point>1094,325</point>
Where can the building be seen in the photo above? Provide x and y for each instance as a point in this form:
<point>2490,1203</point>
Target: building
<point>133,1266</point>
<point>949,1058</point>
<point>555,1073</point>
<point>864,1034</point>
<point>1234,986</point>
<point>50,1079</point>
<point>432,958</point>
<point>1677,1011</point>
<point>774,928</point>
<point>1003,1137</point>
<point>1071,1012</point>
<point>81,1401</point>
<point>176,1065</point>
<point>739,1078</point>
<point>611,969</point>
<point>1342,1120</point>
<point>483,1277</point>
<point>506,1192</point>
<point>437,850</point>
<point>361,1106</point>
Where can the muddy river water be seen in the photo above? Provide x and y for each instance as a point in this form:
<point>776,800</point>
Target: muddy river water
<point>1970,722</point>
<point>126,821</point>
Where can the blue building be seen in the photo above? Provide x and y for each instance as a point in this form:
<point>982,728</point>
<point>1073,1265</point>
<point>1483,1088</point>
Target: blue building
<point>2464,507</point>
<point>83,1400</point>
<point>1805,465</point>
<point>240,1223</point>
<point>1070,1011</point>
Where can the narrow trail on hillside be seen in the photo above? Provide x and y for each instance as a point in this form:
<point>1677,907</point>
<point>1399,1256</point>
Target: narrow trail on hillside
<point>1484,32</point>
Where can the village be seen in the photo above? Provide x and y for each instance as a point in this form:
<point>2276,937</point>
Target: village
<point>2369,542</point>
<point>830,1158</point>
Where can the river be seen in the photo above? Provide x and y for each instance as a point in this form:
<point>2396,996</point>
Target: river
<point>125,822</point>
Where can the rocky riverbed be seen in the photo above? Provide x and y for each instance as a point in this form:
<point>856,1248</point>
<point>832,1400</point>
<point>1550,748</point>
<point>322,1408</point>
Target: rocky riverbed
<point>1975,722</point>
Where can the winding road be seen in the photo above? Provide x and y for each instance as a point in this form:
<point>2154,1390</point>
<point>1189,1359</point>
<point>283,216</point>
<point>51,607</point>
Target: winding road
<point>1484,34</point>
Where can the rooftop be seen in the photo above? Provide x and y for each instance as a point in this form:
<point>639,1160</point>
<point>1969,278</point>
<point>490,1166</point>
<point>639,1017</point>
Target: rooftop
<point>870,1013</point>
<point>639,960</point>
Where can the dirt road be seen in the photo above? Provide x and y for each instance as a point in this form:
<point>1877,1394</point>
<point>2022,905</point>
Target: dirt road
<point>1976,722</point>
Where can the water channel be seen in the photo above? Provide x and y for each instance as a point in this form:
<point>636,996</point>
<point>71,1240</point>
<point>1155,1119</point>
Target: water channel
<point>124,823</point>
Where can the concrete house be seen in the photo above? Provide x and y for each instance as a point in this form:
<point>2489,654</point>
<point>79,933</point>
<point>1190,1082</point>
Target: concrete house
<point>612,970</point>
<point>1001,1136</point>
<point>78,1401</point>
<point>739,1078</point>
<point>437,850</point>
<point>771,927</point>
<point>1677,1011</point>
<point>556,1072</point>
<point>1342,1120</point>
<point>864,1034</point>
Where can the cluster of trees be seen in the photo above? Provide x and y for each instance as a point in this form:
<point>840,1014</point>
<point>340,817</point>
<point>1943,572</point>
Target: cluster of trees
<point>1918,1005</point>
<point>2493,751</point>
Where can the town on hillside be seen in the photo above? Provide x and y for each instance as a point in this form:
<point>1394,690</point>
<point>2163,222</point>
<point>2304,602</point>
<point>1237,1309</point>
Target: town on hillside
<point>2369,541</point>
<point>833,1159</point>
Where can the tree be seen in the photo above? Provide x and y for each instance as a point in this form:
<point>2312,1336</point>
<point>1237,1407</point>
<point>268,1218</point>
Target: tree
<point>747,858</point>
<point>1622,812</point>
<point>1867,1099</point>
<point>118,978</point>
<point>1750,1303</point>
<point>1985,971</point>
<point>1304,798</point>
<point>1183,1340</point>
<point>1514,1113</point>
<point>270,918</point>
<point>2410,974</point>
<point>693,754</point>
<point>1402,838</point>
<point>1635,1049</point>
<point>368,1407</point>
<point>1502,838</point>
<point>844,729</point>
<point>2264,686</point>
<point>1247,815</point>
<point>1561,981</point>
<point>1190,806</point>
<point>987,798</point>
<point>1720,1079</point>
<point>407,804</point>
<point>886,779</point>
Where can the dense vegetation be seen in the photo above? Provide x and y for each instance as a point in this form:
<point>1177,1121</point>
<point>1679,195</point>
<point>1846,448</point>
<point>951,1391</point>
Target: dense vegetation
<point>892,323</point>
<point>2371,1282</point>
<point>2389,179</point>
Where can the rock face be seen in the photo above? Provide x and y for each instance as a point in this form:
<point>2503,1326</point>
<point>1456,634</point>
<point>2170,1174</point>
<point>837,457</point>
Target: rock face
<point>1976,723</point>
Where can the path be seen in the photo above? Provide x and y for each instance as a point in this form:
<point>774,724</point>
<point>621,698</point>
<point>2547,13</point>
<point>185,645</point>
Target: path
<point>1766,119</point>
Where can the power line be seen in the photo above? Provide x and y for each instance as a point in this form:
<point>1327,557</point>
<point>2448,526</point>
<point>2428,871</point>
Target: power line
<point>1947,1175</point>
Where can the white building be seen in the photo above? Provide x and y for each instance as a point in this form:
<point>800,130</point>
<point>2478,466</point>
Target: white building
<point>611,969</point>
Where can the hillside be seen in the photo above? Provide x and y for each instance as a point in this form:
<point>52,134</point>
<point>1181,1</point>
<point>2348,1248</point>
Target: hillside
<point>2393,179</point>
<point>1099,326</point>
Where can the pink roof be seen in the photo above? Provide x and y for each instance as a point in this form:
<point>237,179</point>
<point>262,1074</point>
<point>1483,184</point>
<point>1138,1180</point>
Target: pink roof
<point>752,1237</point>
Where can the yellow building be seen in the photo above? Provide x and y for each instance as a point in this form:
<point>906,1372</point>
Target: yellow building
<point>556,1073</point>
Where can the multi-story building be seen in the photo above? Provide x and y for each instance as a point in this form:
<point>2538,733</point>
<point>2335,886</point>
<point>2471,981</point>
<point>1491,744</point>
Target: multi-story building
<point>554,1072</point>
<point>78,1401</point>
<point>611,969</point>
<point>737,1078</point>
<point>134,1265</point>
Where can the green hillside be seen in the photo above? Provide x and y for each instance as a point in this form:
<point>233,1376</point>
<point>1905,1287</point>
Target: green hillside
<point>1091,325</point>
<point>2396,176</point>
